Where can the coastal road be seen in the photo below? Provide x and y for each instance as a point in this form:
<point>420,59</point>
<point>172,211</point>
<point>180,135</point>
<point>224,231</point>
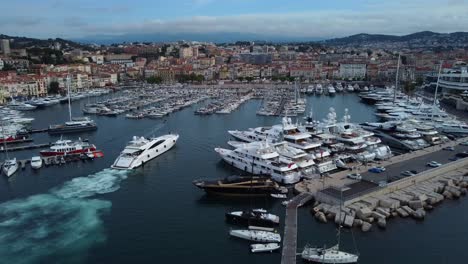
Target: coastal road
<point>393,172</point>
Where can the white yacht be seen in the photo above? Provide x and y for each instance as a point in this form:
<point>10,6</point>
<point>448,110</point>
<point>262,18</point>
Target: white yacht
<point>259,248</point>
<point>141,150</point>
<point>350,88</point>
<point>21,106</point>
<point>36,162</point>
<point>339,87</point>
<point>318,89</point>
<point>328,255</point>
<point>256,235</point>
<point>288,154</point>
<point>331,90</point>
<point>261,158</point>
<point>10,166</point>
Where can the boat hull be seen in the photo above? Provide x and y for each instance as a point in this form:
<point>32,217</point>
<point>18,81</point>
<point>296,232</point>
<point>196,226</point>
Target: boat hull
<point>64,129</point>
<point>46,153</point>
<point>126,163</point>
<point>249,221</point>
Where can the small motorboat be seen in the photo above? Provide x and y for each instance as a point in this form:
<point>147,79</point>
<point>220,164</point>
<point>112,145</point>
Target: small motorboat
<point>256,235</point>
<point>279,195</point>
<point>10,167</point>
<point>36,162</point>
<point>259,248</point>
<point>90,155</point>
<point>253,217</point>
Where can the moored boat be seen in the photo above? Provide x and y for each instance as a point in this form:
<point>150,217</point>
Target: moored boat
<point>239,186</point>
<point>10,166</point>
<point>254,217</point>
<point>259,248</point>
<point>256,235</point>
<point>67,147</point>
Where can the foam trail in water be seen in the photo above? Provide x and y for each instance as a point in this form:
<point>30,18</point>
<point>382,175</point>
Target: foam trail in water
<point>57,225</point>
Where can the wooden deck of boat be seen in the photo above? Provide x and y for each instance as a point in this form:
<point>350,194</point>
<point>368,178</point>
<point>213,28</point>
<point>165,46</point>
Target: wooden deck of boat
<point>288,255</point>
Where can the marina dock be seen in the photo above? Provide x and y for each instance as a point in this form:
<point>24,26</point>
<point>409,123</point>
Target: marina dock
<point>288,255</point>
<point>26,147</point>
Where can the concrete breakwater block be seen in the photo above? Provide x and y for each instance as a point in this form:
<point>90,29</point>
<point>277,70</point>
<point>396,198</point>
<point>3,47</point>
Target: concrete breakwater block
<point>371,202</point>
<point>382,223</point>
<point>415,204</point>
<point>348,221</point>
<point>408,209</point>
<point>320,217</point>
<point>383,211</point>
<point>401,212</point>
<point>388,202</point>
<point>419,214</point>
<point>366,227</point>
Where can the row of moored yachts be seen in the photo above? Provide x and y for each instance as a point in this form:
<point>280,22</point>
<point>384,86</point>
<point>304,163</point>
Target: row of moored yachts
<point>290,151</point>
<point>41,102</point>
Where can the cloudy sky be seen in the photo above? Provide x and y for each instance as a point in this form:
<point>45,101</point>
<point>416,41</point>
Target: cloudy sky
<point>293,18</point>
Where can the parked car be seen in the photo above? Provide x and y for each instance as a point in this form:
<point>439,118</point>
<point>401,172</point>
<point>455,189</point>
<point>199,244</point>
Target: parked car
<point>408,173</point>
<point>449,148</point>
<point>464,143</point>
<point>454,158</point>
<point>382,183</point>
<point>377,169</point>
<point>434,164</point>
<point>354,176</point>
<point>463,154</point>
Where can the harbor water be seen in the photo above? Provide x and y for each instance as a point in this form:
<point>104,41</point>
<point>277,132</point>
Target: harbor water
<point>84,212</point>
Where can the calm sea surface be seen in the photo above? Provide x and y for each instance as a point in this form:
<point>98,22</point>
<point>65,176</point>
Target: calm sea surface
<point>87,213</point>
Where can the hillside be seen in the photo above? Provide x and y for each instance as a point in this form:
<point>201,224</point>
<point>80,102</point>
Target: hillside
<point>424,38</point>
<point>25,42</point>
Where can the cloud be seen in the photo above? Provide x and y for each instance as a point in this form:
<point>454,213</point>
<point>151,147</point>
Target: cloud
<point>387,17</point>
<point>310,24</point>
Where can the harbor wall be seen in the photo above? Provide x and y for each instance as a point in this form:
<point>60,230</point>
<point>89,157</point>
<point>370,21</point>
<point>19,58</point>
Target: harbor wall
<point>406,182</point>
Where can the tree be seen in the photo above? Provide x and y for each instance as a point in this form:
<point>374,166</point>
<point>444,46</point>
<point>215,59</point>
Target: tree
<point>53,88</point>
<point>409,87</point>
<point>154,80</point>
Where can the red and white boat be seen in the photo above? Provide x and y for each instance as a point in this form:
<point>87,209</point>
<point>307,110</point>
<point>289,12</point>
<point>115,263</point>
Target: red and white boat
<point>67,147</point>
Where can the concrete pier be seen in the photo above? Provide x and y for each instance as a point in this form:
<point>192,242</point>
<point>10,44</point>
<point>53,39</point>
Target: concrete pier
<point>290,230</point>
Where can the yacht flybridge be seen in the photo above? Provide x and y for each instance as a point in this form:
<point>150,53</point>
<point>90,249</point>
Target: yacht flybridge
<point>141,150</point>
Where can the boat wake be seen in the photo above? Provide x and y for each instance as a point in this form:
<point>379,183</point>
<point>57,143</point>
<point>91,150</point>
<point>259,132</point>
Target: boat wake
<point>61,224</point>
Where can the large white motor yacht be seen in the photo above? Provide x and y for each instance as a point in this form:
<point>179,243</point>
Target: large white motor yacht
<point>141,150</point>
<point>261,158</point>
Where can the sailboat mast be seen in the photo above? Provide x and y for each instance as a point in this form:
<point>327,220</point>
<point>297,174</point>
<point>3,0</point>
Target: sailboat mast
<point>396,79</point>
<point>437,85</point>
<point>339,221</point>
<point>69,97</point>
<point>4,142</point>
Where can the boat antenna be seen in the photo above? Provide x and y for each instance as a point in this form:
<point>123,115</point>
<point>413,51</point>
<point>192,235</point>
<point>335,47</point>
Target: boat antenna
<point>339,220</point>
<point>396,79</point>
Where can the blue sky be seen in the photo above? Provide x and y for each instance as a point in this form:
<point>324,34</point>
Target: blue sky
<point>295,18</point>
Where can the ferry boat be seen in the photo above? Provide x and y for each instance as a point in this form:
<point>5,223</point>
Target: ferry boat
<point>239,186</point>
<point>255,217</point>
<point>64,147</point>
<point>141,150</point>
